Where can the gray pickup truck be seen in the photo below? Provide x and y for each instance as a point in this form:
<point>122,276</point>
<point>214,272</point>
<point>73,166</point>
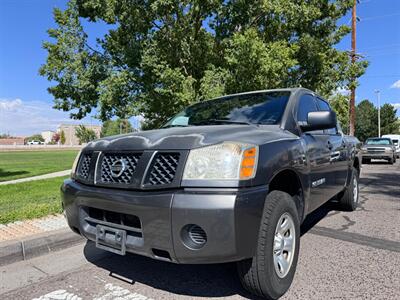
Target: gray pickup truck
<point>225,180</point>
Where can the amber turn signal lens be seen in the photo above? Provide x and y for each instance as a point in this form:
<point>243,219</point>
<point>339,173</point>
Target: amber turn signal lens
<point>248,165</point>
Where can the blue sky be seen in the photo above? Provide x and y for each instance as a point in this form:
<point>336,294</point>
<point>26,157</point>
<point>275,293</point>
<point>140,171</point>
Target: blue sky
<point>25,105</point>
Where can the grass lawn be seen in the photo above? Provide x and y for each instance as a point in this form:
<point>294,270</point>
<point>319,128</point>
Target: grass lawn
<point>30,200</point>
<point>21,164</point>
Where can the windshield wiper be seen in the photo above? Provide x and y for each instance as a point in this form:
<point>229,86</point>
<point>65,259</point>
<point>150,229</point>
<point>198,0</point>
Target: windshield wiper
<point>169,126</point>
<point>222,121</point>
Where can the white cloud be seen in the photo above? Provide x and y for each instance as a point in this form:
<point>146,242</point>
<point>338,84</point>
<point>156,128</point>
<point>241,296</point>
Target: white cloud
<point>396,85</point>
<point>10,104</point>
<point>396,105</point>
<point>23,118</point>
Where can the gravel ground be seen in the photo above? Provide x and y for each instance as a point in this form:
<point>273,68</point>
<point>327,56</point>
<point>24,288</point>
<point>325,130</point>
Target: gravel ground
<point>343,256</point>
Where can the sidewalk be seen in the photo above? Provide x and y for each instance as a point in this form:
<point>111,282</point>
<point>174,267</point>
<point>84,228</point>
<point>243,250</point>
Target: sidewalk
<point>39,177</point>
<point>24,240</point>
<point>21,229</point>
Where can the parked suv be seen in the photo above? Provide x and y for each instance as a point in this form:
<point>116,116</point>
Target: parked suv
<point>378,148</point>
<point>225,180</point>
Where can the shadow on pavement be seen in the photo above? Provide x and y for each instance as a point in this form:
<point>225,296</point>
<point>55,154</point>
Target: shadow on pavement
<point>216,280</point>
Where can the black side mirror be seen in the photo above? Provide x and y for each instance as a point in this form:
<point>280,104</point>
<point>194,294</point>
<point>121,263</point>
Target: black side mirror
<point>320,120</point>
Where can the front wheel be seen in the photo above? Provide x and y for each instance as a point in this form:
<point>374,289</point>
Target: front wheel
<point>270,272</point>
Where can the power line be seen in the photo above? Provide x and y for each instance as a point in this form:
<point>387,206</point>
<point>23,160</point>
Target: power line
<point>379,17</point>
<point>381,47</point>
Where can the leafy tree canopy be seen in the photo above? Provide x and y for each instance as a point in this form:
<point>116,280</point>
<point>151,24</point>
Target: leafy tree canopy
<point>85,135</point>
<point>389,120</point>
<point>62,137</point>
<point>340,104</point>
<point>114,127</point>
<point>161,55</point>
<point>35,137</point>
<point>367,116</point>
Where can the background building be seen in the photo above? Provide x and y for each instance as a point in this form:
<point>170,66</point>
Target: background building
<point>47,136</point>
<point>12,141</point>
<point>69,132</point>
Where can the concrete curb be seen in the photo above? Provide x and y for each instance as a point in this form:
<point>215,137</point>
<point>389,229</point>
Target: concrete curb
<point>36,245</point>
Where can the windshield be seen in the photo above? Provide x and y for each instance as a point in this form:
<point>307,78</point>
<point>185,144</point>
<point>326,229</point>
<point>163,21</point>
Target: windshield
<point>259,108</point>
<point>378,142</point>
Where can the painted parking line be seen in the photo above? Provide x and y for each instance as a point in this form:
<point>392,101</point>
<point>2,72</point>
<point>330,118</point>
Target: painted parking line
<point>117,292</point>
<point>59,295</point>
<point>112,292</point>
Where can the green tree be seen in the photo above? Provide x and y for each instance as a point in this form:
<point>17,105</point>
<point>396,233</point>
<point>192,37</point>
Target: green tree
<point>340,104</point>
<point>367,124</point>
<point>114,127</point>
<point>389,121</point>
<point>62,137</point>
<point>36,137</point>
<point>85,135</point>
<point>160,55</point>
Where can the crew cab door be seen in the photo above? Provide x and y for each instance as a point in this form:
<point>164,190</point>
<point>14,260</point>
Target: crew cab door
<point>338,152</point>
<point>318,156</point>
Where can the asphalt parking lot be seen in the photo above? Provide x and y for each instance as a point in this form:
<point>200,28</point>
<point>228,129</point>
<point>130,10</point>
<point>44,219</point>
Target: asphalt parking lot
<point>343,256</point>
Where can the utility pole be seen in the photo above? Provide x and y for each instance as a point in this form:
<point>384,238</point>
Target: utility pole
<point>352,115</point>
<point>378,95</point>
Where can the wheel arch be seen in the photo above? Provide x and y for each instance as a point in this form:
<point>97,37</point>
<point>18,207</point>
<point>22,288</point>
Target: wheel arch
<point>289,181</point>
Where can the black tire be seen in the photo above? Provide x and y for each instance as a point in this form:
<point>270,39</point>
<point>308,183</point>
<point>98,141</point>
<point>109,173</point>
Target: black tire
<point>348,201</point>
<point>258,274</point>
<point>366,161</point>
<point>394,159</point>
<point>390,161</point>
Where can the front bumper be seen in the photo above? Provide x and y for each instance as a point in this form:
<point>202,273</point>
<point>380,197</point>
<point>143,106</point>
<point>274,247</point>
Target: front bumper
<point>380,155</point>
<point>229,217</point>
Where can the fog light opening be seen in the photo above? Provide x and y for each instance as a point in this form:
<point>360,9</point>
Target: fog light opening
<point>193,236</point>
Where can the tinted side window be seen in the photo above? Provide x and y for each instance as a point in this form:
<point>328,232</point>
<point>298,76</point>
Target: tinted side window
<point>324,106</point>
<point>306,105</point>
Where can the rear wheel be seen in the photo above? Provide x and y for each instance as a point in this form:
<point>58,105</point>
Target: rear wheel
<point>270,272</point>
<point>349,199</point>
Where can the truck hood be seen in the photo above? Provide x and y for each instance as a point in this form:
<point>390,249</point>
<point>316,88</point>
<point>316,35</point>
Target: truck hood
<point>186,138</point>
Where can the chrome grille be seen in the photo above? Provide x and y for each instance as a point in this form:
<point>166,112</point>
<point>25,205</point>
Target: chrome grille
<point>163,169</point>
<point>110,160</point>
<point>84,166</point>
<point>374,150</point>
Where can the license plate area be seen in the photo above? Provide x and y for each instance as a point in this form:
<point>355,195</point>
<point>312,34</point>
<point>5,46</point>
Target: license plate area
<point>111,239</point>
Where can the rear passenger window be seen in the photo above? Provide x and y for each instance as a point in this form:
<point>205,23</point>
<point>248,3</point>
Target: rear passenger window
<point>324,106</point>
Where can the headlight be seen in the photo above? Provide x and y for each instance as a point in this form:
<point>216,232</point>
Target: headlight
<point>225,161</point>
<point>75,164</point>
